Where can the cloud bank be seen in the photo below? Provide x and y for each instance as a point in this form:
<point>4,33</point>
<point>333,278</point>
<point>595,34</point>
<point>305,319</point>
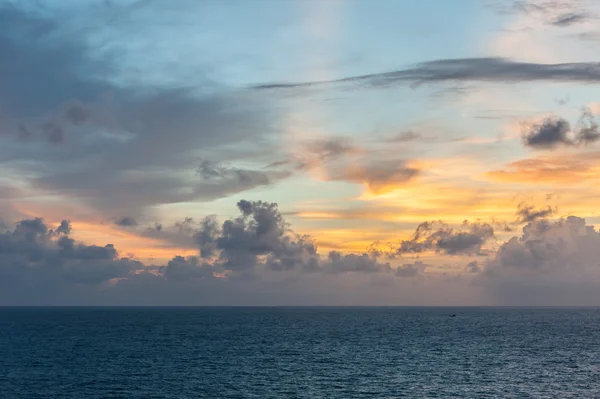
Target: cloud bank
<point>255,257</point>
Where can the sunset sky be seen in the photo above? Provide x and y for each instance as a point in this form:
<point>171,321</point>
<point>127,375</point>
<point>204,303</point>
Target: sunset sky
<point>418,152</point>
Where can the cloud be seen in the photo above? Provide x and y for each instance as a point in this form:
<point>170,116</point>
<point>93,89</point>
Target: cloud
<point>216,173</point>
<point>339,159</point>
<point>439,237</point>
<point>411,269</point>
<point>552,262</point>
<point>255,245</point>
<point>528,213</point>
<point>545,170</point>
<point>114,147</point>
<point>258,232</point>
<point>548,134</point>
<point>466,70</point>
<point>256,258</point>
<point>260,240</point>
<point>552,132</point>
<point>411,136</point>
<point>555,13</point>
<point>186,268</point>
<point>77,113</point>
<point>569,19</point>
<point>317,153</point>
<point>587,128</point>
<point>339,263</point>
<point>473,267</point>
<point>126,221</point>
<point>34,256</point>
<point>403,137</point>
<point>378,176</point>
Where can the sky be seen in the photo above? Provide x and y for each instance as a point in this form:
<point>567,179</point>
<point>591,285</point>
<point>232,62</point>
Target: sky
<point>299,152</point>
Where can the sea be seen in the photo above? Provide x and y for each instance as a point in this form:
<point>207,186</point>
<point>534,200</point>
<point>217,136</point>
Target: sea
<point>299,352</point>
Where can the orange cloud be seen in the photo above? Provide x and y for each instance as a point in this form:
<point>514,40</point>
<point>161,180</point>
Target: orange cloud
<point>378,177</point>
<point>565,170</point>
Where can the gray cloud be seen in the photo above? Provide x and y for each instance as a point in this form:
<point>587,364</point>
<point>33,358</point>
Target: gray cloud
<point>569,19</point>
<point>550,263</point>
<point>467,70</point>
<point>49,259</point>
<point>185,269</point>
<point>77,113</point>
<point>473,267</point>
<point>553,132</point>
<point>555,13</point>
<point>548,134</point>
<point>528,213</point>
<point>115,148</point>
<point>256,245</point>
<point>405,137</point>
<point>439,237</point>
<point>260,240</point>
<point>213,172</point>
<point>411,269</point>
<point>64,227</point>
<point>53,132</point>
<point>339,263</point>
<point>126,221</point>
<point>587,129</point>
<point>260,231</point>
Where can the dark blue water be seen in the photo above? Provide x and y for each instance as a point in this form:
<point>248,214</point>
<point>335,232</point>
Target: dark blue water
<point>299,353</point>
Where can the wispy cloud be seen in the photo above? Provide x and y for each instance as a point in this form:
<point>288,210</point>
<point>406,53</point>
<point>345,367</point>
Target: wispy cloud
<point>465,70</point>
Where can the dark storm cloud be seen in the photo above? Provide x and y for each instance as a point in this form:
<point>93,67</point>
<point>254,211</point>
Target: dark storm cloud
<point>553,132</point>
<point>439,237</point>
<point>467,70</point>
<point>116,148</point>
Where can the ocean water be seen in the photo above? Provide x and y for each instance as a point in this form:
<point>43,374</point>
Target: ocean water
<point>299,353</point>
